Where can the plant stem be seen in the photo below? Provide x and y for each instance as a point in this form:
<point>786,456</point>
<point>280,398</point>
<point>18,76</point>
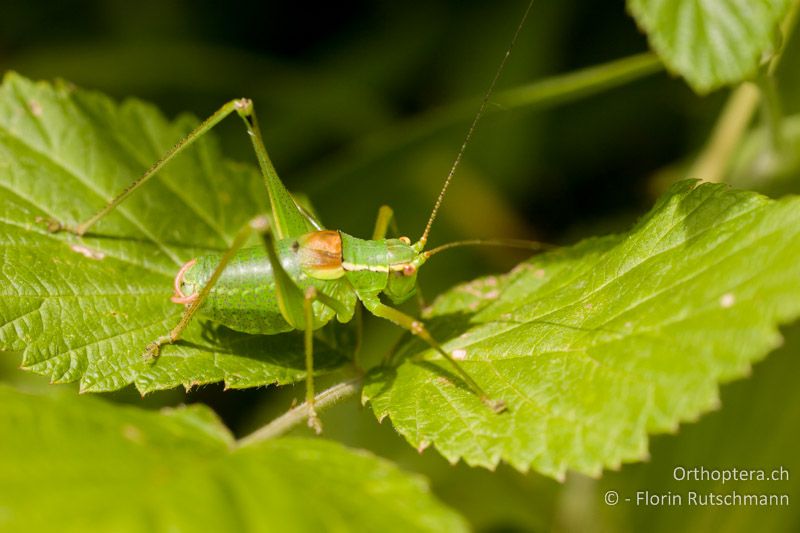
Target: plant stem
<point>787,29</point>
<point>712,163</point>
<point>540,94</point>
<point>773,114</point>
<point>572,86</point>
<point>299,414</point>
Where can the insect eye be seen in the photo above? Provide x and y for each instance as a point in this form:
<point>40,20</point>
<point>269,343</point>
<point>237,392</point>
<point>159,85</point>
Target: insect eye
<point>405,240</point>
<point>409,270</point>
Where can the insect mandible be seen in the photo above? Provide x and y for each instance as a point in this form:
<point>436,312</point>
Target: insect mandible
<point>301,263</point>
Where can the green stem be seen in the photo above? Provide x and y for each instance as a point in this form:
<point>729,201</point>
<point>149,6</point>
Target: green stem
<point>585,82</point>
<point>713,161</point>
<point>788,26</point>
<point>298,415</point>
<point>773,113</point>
<point>538,95</point>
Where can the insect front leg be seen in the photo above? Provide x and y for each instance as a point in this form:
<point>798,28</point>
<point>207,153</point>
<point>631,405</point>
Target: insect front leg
<point>417,328</point>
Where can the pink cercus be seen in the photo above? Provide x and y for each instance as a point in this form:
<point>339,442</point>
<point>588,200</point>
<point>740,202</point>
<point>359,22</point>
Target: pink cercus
<point>179,297</point>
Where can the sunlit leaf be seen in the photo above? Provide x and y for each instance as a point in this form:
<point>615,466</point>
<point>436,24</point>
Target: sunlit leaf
<point>81,464</point>
<point>85,308</point>
<point>711,43</point>
<point>596,346</point>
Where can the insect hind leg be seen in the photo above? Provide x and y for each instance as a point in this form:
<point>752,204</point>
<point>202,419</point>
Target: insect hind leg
<point>54,226</point>
<point>289,219</point>
<point>260,224</point>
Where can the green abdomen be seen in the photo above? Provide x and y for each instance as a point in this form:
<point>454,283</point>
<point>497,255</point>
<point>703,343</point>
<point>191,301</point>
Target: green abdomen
<point>244,297</point>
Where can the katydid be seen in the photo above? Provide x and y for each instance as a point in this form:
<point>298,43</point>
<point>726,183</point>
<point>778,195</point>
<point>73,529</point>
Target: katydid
<point>302,275</point>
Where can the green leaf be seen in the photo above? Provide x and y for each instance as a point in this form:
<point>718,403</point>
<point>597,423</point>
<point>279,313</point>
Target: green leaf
<point>594,347</point>
<point>758,429</point>
<point>85,308</point>
<point>714,42</point>
<point>759,164</point>
<point>78,464</point>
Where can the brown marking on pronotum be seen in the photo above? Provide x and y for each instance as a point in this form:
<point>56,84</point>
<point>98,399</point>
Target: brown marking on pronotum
<point>321,253</point>
<point>179,297</point>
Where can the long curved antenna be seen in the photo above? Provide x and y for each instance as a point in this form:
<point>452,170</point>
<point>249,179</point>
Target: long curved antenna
<point>505,243</point>
<point>475,121</point>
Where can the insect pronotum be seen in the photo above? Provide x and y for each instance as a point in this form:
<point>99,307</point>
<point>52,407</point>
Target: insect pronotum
<point>301,262</point>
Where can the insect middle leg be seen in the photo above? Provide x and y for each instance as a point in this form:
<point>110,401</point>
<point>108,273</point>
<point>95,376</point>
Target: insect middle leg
<point>308,310</point>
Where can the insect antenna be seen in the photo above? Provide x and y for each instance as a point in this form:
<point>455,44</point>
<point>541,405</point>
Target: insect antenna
<point>472,127</point>
<point>505,243</point>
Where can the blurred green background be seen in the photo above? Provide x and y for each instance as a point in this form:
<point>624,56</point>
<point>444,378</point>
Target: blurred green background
<point>347,97</point>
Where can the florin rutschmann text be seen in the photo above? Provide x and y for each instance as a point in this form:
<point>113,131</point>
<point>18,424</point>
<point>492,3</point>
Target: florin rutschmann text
<point>714,496</point>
